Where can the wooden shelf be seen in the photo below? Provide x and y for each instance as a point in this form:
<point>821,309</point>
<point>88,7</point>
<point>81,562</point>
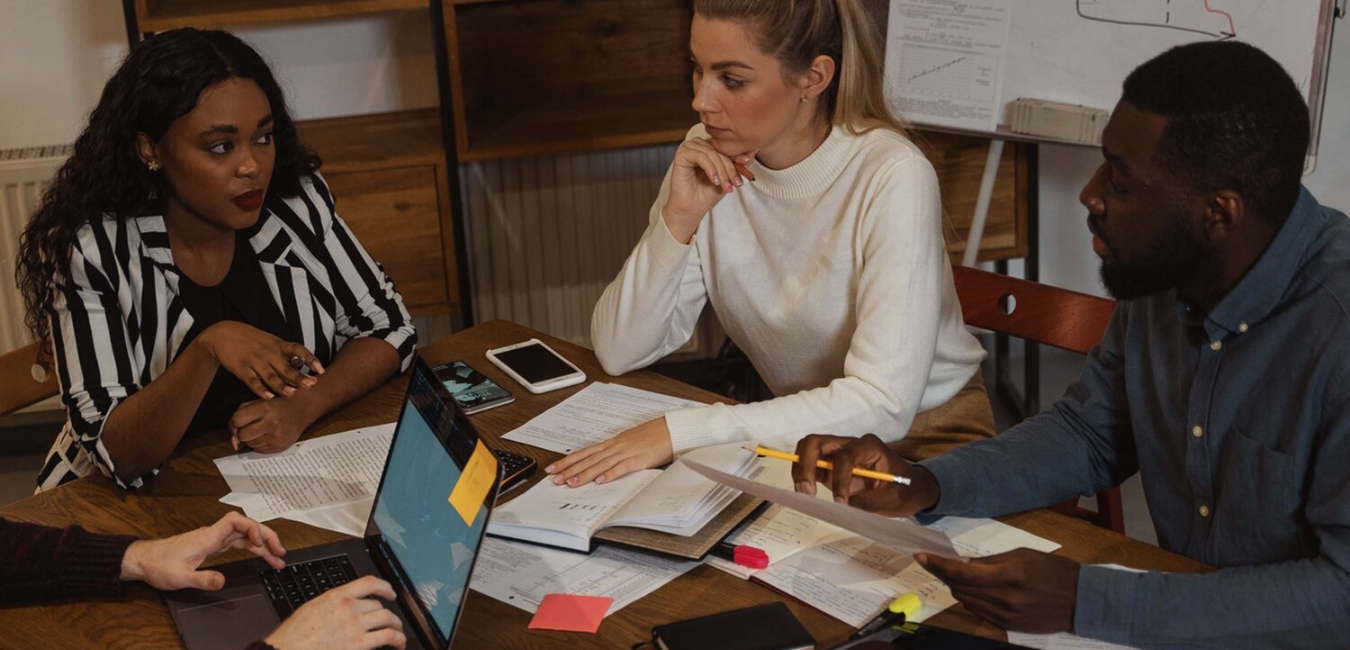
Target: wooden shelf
<point>378,140</point>
<point>390,181</point>
<point>163,15</point>
<point>959,163</point>
<point>535,77</point>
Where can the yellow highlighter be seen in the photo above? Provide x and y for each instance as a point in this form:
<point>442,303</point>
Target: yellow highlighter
<point>900,610</point>
<point>825,464</point>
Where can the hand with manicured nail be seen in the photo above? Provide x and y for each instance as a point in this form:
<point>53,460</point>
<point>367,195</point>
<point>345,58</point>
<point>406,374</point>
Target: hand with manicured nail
<point>644,446</point>
<point>700,176</point>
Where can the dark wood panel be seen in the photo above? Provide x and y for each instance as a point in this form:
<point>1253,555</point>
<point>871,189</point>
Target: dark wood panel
<point>163,15</point>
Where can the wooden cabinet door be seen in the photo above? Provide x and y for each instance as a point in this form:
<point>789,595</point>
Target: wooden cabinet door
<point>396,215</point>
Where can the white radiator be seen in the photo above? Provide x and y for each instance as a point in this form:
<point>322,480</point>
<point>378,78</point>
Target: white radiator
<point>546,235</point>
<point>24,174</point>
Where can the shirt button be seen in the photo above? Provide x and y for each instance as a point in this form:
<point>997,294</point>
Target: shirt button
<point>1242,327</point>
<point>1197,431</point>
<point>1204,511</point>
<point>1216,345</point>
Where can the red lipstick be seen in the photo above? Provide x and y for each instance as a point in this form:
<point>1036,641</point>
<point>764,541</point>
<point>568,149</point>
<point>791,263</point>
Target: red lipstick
<point>249,201</point>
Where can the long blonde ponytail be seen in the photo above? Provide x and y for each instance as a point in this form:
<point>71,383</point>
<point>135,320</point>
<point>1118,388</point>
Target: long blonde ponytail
<point>795,32</point>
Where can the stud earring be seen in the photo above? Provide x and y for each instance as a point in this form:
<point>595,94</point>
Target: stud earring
<point>152,165</point>
<point>803,99</point>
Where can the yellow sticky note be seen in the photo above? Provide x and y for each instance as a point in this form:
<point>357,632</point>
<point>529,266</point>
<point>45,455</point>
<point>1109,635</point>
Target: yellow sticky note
<point>468,494</point>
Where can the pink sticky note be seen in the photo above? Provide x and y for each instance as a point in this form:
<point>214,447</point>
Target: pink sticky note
<point>571,613</point>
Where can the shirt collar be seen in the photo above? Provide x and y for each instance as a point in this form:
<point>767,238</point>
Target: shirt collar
<point>1259,291</point>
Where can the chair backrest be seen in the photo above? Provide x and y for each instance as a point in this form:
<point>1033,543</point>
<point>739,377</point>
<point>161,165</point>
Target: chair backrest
<point>18,385</point>
<point>1036,312</point>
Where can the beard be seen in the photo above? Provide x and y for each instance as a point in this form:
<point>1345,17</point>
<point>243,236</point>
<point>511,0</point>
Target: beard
<point>1174,259</point>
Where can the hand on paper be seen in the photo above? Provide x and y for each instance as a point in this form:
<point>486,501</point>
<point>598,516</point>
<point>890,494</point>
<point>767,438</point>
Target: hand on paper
<point>268,426</point>
<point>260,360</point>
<point>1022,590</point>
<point>867,452</point>
<point>171,563</point>
<point>343,618</point>
<point>699,177</point>
<point>644,446</point>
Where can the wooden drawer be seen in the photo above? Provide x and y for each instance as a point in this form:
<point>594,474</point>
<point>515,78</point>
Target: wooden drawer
<point>396,214</point>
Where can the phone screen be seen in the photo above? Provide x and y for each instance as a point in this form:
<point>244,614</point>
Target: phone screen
<point>535,363</point>
<point>468,386</point>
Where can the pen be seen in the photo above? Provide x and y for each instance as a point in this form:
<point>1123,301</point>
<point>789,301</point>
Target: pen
<point>746,556</point>
<point>900,609</point>
<point>825,464</point>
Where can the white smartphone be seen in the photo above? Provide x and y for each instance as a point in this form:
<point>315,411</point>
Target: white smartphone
<point>536,366</point>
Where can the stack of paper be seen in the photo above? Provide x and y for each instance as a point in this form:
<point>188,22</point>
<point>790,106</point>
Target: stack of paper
<point>522,574</point>
<point>595,414</point>
<point>328,482</point>
<point>850,576</point>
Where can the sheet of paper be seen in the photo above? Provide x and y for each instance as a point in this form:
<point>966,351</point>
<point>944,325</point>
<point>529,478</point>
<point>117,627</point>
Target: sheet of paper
<point>985,537</point>
<point>596,413</point>
<point>347,518</point>
<point>853,578</point>
<point>1061,641</point>
<point>900,534</point>
<point>571,613</point>
<point>779,532</point>
<point>336,469</point>
<point>473,484</point>
<point>945,61</point>
<point>522,574</point>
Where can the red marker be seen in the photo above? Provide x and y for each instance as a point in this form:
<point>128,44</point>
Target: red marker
<point>746,556</point>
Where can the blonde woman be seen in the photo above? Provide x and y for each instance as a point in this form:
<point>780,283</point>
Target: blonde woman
<point>800,210</point>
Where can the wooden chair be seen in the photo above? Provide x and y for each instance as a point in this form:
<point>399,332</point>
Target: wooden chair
<point>19,384</point>
<point>1047,315</point>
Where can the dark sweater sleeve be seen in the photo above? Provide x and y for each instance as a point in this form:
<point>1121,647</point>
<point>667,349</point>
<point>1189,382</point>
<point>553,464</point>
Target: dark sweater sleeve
<point>259,645</point>
<point>41,563</point>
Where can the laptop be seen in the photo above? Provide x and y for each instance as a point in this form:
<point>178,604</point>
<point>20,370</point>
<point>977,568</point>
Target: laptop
<point>415,539</point>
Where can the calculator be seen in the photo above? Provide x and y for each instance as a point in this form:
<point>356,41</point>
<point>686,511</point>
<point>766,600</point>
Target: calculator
<point>515,469</point>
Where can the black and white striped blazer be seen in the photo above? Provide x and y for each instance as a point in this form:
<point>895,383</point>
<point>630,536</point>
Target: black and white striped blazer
<point>118,321</point>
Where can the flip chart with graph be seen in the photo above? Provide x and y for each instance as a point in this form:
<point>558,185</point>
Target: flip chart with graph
<point>959,63</point>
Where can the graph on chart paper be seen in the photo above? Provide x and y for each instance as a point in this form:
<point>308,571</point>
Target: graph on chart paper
<point>944,60</point>
<point>959,63</point>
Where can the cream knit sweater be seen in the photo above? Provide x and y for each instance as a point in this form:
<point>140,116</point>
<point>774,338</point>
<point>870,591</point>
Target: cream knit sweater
<point>832,277</point>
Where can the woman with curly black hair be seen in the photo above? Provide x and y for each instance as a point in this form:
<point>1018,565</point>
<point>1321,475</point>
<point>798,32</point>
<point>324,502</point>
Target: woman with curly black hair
<point>190,273</point>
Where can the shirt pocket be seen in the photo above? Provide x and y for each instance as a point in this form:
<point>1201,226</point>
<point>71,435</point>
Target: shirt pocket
<point>1255,514</point>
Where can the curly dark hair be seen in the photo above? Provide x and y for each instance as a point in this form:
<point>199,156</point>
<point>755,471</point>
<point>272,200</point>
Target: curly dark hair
<point>1237,121</point>
<point>159,82</point>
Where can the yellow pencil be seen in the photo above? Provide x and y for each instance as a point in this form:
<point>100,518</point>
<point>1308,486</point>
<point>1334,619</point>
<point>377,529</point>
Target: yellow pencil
<point>825,464</point>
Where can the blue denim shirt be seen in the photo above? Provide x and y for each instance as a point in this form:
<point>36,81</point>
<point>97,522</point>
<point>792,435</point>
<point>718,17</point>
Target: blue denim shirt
<point>1238,422</point>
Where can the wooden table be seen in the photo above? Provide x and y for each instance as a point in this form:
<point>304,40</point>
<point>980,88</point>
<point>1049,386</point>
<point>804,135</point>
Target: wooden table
<point>186,492</point>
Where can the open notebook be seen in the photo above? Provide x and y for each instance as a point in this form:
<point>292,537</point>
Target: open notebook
<point>676,501</point>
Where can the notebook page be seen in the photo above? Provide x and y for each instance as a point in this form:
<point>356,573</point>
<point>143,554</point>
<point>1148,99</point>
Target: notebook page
<point>574,512</point>
<point>680,500</point>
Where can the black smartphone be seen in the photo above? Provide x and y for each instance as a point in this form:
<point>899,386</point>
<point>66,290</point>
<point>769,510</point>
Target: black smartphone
<point>473,390</point>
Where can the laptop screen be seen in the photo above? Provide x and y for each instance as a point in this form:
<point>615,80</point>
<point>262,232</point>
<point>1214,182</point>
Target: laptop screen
<point>428,538</point>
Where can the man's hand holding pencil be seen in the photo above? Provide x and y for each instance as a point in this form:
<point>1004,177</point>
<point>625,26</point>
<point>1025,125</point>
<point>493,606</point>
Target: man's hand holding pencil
<point>881,488</point>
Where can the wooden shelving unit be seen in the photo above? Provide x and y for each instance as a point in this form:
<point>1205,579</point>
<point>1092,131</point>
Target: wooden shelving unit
<point>163,15</point>
<point>534,77</point>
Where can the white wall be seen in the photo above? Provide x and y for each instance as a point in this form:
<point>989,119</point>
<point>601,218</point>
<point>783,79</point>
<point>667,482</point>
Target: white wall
<point>55,56</point>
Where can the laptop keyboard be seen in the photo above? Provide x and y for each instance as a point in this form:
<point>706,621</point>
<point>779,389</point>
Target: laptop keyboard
<point>297,584</point>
